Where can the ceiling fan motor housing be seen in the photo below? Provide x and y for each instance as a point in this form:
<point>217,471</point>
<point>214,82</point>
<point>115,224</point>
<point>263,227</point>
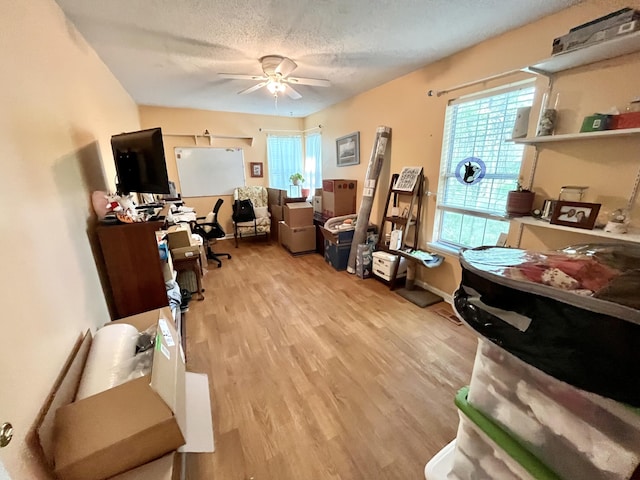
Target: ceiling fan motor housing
<point>276,65</point>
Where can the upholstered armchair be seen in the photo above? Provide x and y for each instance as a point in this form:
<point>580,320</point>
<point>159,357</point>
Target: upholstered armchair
<point>262,223</point>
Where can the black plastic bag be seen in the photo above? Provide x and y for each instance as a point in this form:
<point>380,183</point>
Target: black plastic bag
<point>243,211</point>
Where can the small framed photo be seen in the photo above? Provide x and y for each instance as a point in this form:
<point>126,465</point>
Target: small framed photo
<point>348,149</point>
<point>256,169</point>
<point>575,214</point>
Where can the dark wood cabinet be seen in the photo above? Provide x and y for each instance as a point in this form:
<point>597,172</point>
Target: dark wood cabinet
<point>133,267</point>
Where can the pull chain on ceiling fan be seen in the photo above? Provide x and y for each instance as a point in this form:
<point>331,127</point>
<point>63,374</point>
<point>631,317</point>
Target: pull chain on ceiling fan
<point>276,78</point>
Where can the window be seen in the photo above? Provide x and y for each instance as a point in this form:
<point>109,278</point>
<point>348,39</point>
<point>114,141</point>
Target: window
<point>313,160</point>
<point>285,157</point>
<point>478,167</point>
<point>284,154</point>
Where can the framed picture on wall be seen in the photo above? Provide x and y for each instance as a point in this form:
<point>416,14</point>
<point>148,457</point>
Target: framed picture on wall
<point>348,149</point>
<point>256,169</point>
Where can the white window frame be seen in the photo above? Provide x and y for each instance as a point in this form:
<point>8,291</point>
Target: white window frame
<point>437,242</point>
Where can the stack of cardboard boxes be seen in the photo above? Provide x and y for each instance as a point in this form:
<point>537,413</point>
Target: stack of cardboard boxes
<point>338,199</point>
<point>297,232</point>
<point>277,200</point>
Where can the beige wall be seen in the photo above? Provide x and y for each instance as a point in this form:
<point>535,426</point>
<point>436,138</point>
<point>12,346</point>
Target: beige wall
<point>189,121</point>
<point>417,125</point>
<point>60,105</point>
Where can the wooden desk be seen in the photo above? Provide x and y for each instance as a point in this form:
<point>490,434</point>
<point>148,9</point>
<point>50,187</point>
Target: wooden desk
<point>191,264</point>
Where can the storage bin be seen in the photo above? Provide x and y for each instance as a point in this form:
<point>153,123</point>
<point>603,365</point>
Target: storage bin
<point>439,466</point>
<point>484,451</point>
<point>337,254</point>
<point>384,263</point>
<point>576,433</point>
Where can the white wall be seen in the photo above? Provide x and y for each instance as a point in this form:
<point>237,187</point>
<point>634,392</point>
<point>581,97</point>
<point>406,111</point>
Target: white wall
<point>59,107</point>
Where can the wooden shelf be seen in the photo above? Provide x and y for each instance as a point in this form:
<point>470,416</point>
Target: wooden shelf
<point>399,220</point>
<point>569,137</point>
<point>211,137</point>
<point>606,50</point>
<point>633,236</point>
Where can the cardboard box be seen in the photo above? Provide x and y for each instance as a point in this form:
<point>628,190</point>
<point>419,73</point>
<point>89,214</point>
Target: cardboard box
<point>277,212</point>
<point>339,197</point>
<point>179,236</point>
<point>298,239</point>
<point>281,236</point>
<point>129,425</point>
<point>298,214</point>
<point>276,196</point>
<point>337,255</point>
<point>186,252</point>
<point>384,263</point>
<point>165,468</point>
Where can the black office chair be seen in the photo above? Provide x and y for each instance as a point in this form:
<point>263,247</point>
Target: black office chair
<point>209,229</point>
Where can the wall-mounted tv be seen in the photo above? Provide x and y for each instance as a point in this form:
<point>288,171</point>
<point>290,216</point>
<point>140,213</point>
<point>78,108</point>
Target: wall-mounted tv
<point>140,162</point>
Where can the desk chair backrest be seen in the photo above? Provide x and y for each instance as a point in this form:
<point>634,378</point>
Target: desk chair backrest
<point>212,227</point>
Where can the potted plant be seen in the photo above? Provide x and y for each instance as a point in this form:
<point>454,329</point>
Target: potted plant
<point>520,201</point>
<point>296,179</point>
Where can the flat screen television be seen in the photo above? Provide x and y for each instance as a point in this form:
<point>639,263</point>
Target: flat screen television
<point>140,162</point>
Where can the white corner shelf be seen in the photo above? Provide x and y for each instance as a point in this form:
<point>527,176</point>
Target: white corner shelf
<point>633,236</point>
<point>606,50</point>
<point>568,137</point>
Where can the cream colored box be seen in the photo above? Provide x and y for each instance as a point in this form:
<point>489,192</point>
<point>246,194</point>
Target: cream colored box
<point>317,203</point>
<point>384,263</point>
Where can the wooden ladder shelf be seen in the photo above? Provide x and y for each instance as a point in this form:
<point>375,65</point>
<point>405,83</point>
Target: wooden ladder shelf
<point>405,194</point>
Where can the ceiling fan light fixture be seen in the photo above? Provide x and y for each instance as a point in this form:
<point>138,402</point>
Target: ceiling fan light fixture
<point>276,87</point>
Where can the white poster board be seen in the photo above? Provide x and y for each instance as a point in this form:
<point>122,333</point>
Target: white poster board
<point>209,171</point>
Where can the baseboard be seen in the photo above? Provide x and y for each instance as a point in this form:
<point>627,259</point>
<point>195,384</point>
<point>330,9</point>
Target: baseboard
<point>445,296</point>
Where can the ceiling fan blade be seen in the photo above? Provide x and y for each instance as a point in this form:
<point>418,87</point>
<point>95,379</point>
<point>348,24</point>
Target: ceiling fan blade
<point>292,93</point>
<point>234,76</point>
<point>252,89</point>
<point>285,67</point>
<point>316,82</point>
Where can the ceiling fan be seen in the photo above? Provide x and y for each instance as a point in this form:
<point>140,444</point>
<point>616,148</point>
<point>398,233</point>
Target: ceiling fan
<point>276,77</point>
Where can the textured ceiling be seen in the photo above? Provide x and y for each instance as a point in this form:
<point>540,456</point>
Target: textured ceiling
<point>170,52</point>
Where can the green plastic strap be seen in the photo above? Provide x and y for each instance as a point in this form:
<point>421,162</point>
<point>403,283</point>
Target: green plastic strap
<point>158,341</point>
<point>526,459</point>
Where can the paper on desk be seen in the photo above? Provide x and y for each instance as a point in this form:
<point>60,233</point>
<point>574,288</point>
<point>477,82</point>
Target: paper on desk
<point>184,217</point>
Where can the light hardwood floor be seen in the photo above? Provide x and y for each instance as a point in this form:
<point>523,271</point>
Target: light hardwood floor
<point>316,374</point>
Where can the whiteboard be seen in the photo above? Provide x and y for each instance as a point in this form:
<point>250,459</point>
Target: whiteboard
<point>209,171</point>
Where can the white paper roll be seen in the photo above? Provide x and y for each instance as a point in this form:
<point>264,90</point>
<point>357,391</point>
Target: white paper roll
<point>110,359</point>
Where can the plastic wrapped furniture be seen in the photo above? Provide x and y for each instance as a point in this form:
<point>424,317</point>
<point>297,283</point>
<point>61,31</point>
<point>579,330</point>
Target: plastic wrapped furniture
<point>262,224</point>
<point>573,314</point>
